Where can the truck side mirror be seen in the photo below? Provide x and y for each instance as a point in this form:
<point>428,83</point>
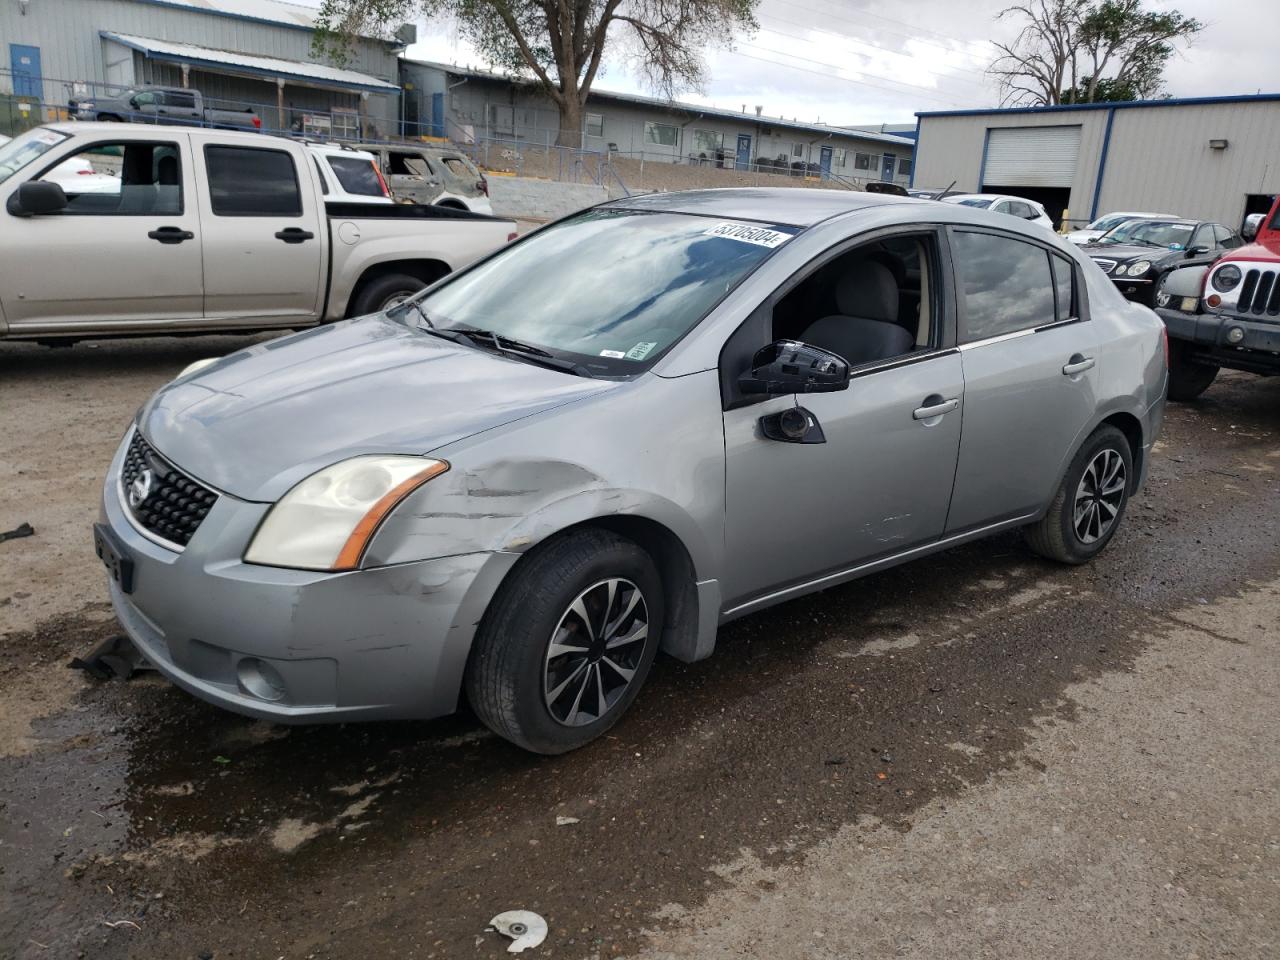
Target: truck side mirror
<point>35,198</point>
<point>1252,224</point>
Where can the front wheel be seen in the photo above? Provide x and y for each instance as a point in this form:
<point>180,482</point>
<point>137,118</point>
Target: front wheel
<point>1188,378</point>
<point>567,642</point>
<point>1090,503</point>
<point>1161,297</point>
<point>384,292</point>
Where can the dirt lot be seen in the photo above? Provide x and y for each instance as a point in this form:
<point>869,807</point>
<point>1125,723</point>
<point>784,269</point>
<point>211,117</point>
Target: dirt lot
<point>978,755</point>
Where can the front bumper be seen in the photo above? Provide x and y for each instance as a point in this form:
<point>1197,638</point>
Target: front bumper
<point>1257,349</point>
<point>389,642</point>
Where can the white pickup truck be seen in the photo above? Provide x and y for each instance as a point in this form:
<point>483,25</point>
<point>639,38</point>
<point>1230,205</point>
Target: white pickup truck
<point>206,231</point>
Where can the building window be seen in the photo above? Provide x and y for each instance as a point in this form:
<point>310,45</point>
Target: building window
<point>797,150</point>
<point>663,134</point>
<point>346,125</point>
<point>707,143</point>
<point>862,161</point>
<point>904,166</point>
<point>840,157</point>
<point>595,125</point>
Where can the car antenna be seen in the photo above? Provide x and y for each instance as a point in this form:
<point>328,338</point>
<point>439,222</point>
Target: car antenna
<point>942,193</point>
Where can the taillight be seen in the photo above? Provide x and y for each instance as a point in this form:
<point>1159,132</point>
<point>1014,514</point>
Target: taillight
<point>257,122</point>
<point>1164,337</point>
<point>381,182</point>
<point>511,236</point>
<point>483,186</point>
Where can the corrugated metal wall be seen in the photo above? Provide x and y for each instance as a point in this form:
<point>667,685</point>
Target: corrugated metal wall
<point>66,31</point>
<point>1159,157</point>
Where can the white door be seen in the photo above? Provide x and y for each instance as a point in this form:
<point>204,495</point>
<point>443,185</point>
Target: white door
<point>263,236</point>
<point>1031,157</point>
<point>126,250</point>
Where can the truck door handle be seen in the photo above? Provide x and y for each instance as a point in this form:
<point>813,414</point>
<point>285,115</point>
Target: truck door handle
<point>1078,364</point>
<point>935,406</point>
<point>171,234</point>
<point>294,235</point>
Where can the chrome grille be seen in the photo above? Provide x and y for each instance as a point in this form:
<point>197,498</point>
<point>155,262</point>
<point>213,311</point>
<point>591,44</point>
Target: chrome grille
<point>1106,265</point>
<point>1260,293</point>
<point>169,504</point>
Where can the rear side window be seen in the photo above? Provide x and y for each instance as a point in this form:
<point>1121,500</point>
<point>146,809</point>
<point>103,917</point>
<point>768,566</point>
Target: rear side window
<point>252,182</point>
<point>458,167</point>
<point>1064,287</point>
<point>357,176</point>
<point>180,98</point>
<point>1005,285</point>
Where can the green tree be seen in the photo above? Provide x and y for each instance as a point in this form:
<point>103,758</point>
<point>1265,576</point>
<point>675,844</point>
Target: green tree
<point>1088,51</point>
<point>560,44</point>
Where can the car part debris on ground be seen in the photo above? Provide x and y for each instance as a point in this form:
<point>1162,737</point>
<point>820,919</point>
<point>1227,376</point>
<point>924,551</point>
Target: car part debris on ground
<point>21,530</point>
<point>114,658</point>
<point>525,928</point>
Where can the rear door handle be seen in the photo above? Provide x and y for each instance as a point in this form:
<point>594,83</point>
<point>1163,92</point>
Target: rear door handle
<point>294,235</point>
<point>1078,364</point>
<point>935,406</point>
<point>171,234</point>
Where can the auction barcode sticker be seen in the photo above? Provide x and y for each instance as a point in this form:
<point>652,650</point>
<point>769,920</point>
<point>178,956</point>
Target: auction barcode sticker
<point>760,236</point>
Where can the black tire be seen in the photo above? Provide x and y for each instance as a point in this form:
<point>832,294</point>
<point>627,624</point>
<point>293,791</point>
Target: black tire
<point>1157,288</point>
<point>383,292</point>
<point>108,118</point>
<point>510,672</point>
<point>1188,378</point>
<point>1056,535</point>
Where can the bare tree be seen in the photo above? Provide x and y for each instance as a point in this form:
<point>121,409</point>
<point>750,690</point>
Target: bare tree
<point>1085,51</point>
<point>560,43</point>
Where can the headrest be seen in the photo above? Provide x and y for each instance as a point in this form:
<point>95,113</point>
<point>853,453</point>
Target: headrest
<point>868,289</point>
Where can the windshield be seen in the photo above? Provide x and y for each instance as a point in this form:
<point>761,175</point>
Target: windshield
<point>609,289</point>
<point>21,151</point>
<point>1103,224</point>
<point>1150,233</point>
<point>975,202</point>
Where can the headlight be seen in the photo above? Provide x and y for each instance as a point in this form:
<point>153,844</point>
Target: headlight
<point>327,520</point>
<point>1139,268</point>
<point>1226,278</point>
<point>196,367</point>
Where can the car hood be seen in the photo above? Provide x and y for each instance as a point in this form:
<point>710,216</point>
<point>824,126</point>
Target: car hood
<point>1083,236</point>
<point>1123,252</point>
<point>256,422</point>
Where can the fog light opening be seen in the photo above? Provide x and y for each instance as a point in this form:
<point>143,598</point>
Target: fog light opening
<point>259,679</point>
<point>1235,334</point>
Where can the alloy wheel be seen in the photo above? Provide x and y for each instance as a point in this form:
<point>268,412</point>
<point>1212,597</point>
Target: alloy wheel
<point>1099,496</point>
<point>595,651</point>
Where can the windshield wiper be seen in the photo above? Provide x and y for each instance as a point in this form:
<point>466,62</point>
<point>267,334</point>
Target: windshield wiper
<point>525,351</point>
<point>447,333</point>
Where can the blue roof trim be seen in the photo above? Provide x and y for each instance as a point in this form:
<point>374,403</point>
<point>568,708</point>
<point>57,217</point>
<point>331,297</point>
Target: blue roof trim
<point>1118,105</point>
<point>220,66</point>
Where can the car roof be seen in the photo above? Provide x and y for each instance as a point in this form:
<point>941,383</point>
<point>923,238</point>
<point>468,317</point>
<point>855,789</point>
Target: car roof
<point>796,207</point>
<point>333,150</point>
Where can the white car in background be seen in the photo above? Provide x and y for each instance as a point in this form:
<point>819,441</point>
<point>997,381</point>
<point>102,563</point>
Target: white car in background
<point>1100,226</point>
<point>1018,207</point>
<point>348,175</point>
<point>77,176</point>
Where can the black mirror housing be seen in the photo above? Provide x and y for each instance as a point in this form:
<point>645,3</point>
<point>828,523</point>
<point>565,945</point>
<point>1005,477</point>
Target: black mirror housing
<point>37,197</point>
<point>1197,251</point>
<point>789,366</point>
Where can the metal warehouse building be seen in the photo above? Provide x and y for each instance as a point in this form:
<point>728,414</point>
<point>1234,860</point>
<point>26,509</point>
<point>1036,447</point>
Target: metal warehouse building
<point>253,52</point>
<point>1215,158</point>
<point>471,106</point>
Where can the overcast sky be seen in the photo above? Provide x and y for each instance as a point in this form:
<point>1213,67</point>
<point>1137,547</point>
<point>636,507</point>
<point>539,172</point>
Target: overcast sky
<point>877,61</point>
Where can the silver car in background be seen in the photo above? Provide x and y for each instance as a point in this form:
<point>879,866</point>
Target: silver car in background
<point>612,437</point>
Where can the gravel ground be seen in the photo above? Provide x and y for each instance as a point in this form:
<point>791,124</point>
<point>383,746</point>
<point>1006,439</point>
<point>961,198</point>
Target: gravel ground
<point>962,757</point>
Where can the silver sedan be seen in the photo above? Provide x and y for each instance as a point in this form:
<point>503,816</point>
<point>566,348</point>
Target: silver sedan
<point>612,437</point>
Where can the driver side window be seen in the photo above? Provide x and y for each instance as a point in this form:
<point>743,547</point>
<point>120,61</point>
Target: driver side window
<point>872,303</point>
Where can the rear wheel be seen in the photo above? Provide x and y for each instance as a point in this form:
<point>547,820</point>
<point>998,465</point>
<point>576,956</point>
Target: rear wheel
<point>1090,503</point>
<point>1188,378</point>
<point>567,642</point>
<point>385,292</point>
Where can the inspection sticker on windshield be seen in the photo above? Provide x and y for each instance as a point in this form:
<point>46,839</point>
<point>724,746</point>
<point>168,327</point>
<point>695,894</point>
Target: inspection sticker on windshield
<point>613,354</point>
<point>641,349</point>
<point>760,236</point>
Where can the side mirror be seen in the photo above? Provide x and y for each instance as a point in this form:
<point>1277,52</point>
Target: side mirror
<point>1197,251</point>
<point>36,197</point>
<point>788,366</point>
<point>1252,224</point>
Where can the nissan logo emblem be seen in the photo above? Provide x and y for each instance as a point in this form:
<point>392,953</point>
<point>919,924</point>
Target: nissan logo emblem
<point>140,489</point>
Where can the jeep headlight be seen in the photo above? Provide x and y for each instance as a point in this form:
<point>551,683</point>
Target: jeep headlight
<point>1227,278</point>
<point>328,520</point>
<point>1139,268</point>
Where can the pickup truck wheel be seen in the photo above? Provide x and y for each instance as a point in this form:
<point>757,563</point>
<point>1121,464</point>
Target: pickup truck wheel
<point>385,292</point>
<point>567,642</point>
<point>1089,505</point>
<point>1188,378</point>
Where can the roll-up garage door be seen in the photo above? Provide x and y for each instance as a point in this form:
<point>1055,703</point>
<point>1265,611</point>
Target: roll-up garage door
<point>1032,156</point>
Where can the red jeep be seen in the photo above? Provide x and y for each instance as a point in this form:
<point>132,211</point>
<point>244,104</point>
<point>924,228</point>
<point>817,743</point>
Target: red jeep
<point>1225,315</point>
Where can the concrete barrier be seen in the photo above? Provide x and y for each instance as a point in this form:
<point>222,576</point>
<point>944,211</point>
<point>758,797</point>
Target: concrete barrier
<point>529,199</point>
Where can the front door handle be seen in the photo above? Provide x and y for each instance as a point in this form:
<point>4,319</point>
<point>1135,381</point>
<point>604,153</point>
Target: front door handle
<point>171,234</point>
<point>1078,364</point>
<point>294,235</point>
<point>935,406</point>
